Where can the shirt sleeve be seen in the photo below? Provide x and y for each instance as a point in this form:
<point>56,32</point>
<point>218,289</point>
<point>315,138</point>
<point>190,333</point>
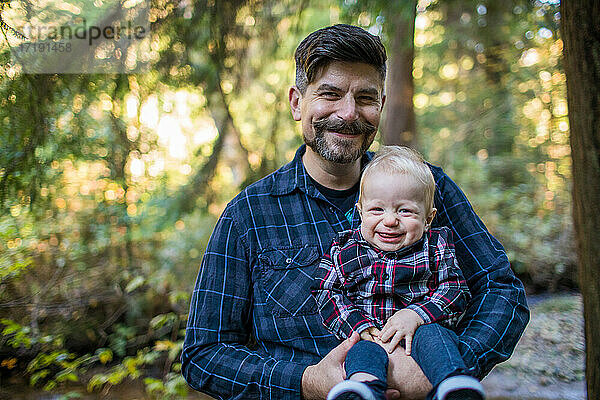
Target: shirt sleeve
<point>340,316</point>
<point>448,291</point>
<point>496,317</point>
<point>215,357</point>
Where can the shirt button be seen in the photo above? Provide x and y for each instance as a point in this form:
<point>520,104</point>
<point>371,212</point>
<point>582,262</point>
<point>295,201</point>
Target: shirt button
<point>385,275</point>
<point>331,209</point>
<point>288,260</point>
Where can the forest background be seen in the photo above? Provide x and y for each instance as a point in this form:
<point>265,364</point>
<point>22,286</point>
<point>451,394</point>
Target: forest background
<point>110,185</point>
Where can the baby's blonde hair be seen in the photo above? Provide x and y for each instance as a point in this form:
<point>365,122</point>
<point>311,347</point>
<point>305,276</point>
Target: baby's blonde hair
<point>402,160</point>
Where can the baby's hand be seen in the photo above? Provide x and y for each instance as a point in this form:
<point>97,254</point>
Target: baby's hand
<point>401,325</point>
<point>369,334</point>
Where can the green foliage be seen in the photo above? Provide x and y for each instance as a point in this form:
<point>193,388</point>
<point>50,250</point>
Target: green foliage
<point>52,365</point>
<point>128,368</point>
<point>16,335</point>
<point>67,365</point>
<point>173,386</point>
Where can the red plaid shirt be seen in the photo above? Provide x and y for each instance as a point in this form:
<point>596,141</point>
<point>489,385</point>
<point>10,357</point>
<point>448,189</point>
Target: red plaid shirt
<point>358,286</point>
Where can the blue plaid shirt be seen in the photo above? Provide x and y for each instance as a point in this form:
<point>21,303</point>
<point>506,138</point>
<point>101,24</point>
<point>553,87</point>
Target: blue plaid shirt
<point>253,325</point>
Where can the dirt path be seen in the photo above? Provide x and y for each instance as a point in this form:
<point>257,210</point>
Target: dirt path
<point>548,362</point>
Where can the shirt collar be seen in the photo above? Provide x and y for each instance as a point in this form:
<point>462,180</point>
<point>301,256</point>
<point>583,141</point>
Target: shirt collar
<point>293,176</point>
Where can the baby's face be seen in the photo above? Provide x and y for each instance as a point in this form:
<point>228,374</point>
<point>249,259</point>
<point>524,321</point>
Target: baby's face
<point>392,211</point>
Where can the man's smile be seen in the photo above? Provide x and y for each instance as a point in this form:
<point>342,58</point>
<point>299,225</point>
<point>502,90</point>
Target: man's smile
<point>345,134</point>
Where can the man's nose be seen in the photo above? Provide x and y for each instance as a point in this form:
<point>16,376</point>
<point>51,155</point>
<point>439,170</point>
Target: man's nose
<point>348,110</point>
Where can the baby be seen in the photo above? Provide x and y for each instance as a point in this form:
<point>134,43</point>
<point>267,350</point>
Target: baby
<point>395,281</point>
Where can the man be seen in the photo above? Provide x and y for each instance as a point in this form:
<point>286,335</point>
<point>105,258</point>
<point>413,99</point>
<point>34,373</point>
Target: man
<point>253,329</point>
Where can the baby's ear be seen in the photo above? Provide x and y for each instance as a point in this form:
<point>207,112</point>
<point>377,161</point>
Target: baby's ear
<point>357,205</point>
<point>429,219</point>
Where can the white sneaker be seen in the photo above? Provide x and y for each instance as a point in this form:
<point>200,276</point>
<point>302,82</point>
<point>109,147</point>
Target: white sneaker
<point>350,390</point>
<point>469,387</point>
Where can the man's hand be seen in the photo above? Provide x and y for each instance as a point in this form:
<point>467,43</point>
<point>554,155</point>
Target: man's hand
<point>401,325</point>
<point>370,334</point>
<point>318,379</point>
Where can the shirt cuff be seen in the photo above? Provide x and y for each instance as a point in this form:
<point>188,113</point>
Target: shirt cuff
<point>358,322</point>
<point>468,353</point>
<point>365,325</point>
<point>285,380</point>
<point>429,311</point>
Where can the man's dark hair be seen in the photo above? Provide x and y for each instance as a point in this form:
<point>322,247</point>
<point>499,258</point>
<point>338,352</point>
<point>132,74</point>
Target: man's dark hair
<point>337,43</point>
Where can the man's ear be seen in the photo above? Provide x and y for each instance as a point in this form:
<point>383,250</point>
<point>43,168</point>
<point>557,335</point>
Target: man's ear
<point>295,97</point>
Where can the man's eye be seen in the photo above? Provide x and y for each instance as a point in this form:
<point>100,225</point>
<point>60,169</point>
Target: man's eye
<point>367,99</point>
<point>376,210</point>
<point>330,95</point>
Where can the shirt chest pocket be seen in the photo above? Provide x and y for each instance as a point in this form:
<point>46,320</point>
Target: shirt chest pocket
<point>286,278</point>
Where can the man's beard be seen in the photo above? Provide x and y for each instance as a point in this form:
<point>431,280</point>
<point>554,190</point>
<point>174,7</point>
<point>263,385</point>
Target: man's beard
<point>342,151</point>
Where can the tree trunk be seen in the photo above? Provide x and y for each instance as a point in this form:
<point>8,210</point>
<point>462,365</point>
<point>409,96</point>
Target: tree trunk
<point>581,36</point>
<point>399,126</point>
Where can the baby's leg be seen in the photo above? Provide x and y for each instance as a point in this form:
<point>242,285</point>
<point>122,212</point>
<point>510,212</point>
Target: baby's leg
<point>369,360</point>
<point>366,373</point>
<point>435,349</point>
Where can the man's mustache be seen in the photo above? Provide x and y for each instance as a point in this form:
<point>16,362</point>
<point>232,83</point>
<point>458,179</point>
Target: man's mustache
<point>357,127</point>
